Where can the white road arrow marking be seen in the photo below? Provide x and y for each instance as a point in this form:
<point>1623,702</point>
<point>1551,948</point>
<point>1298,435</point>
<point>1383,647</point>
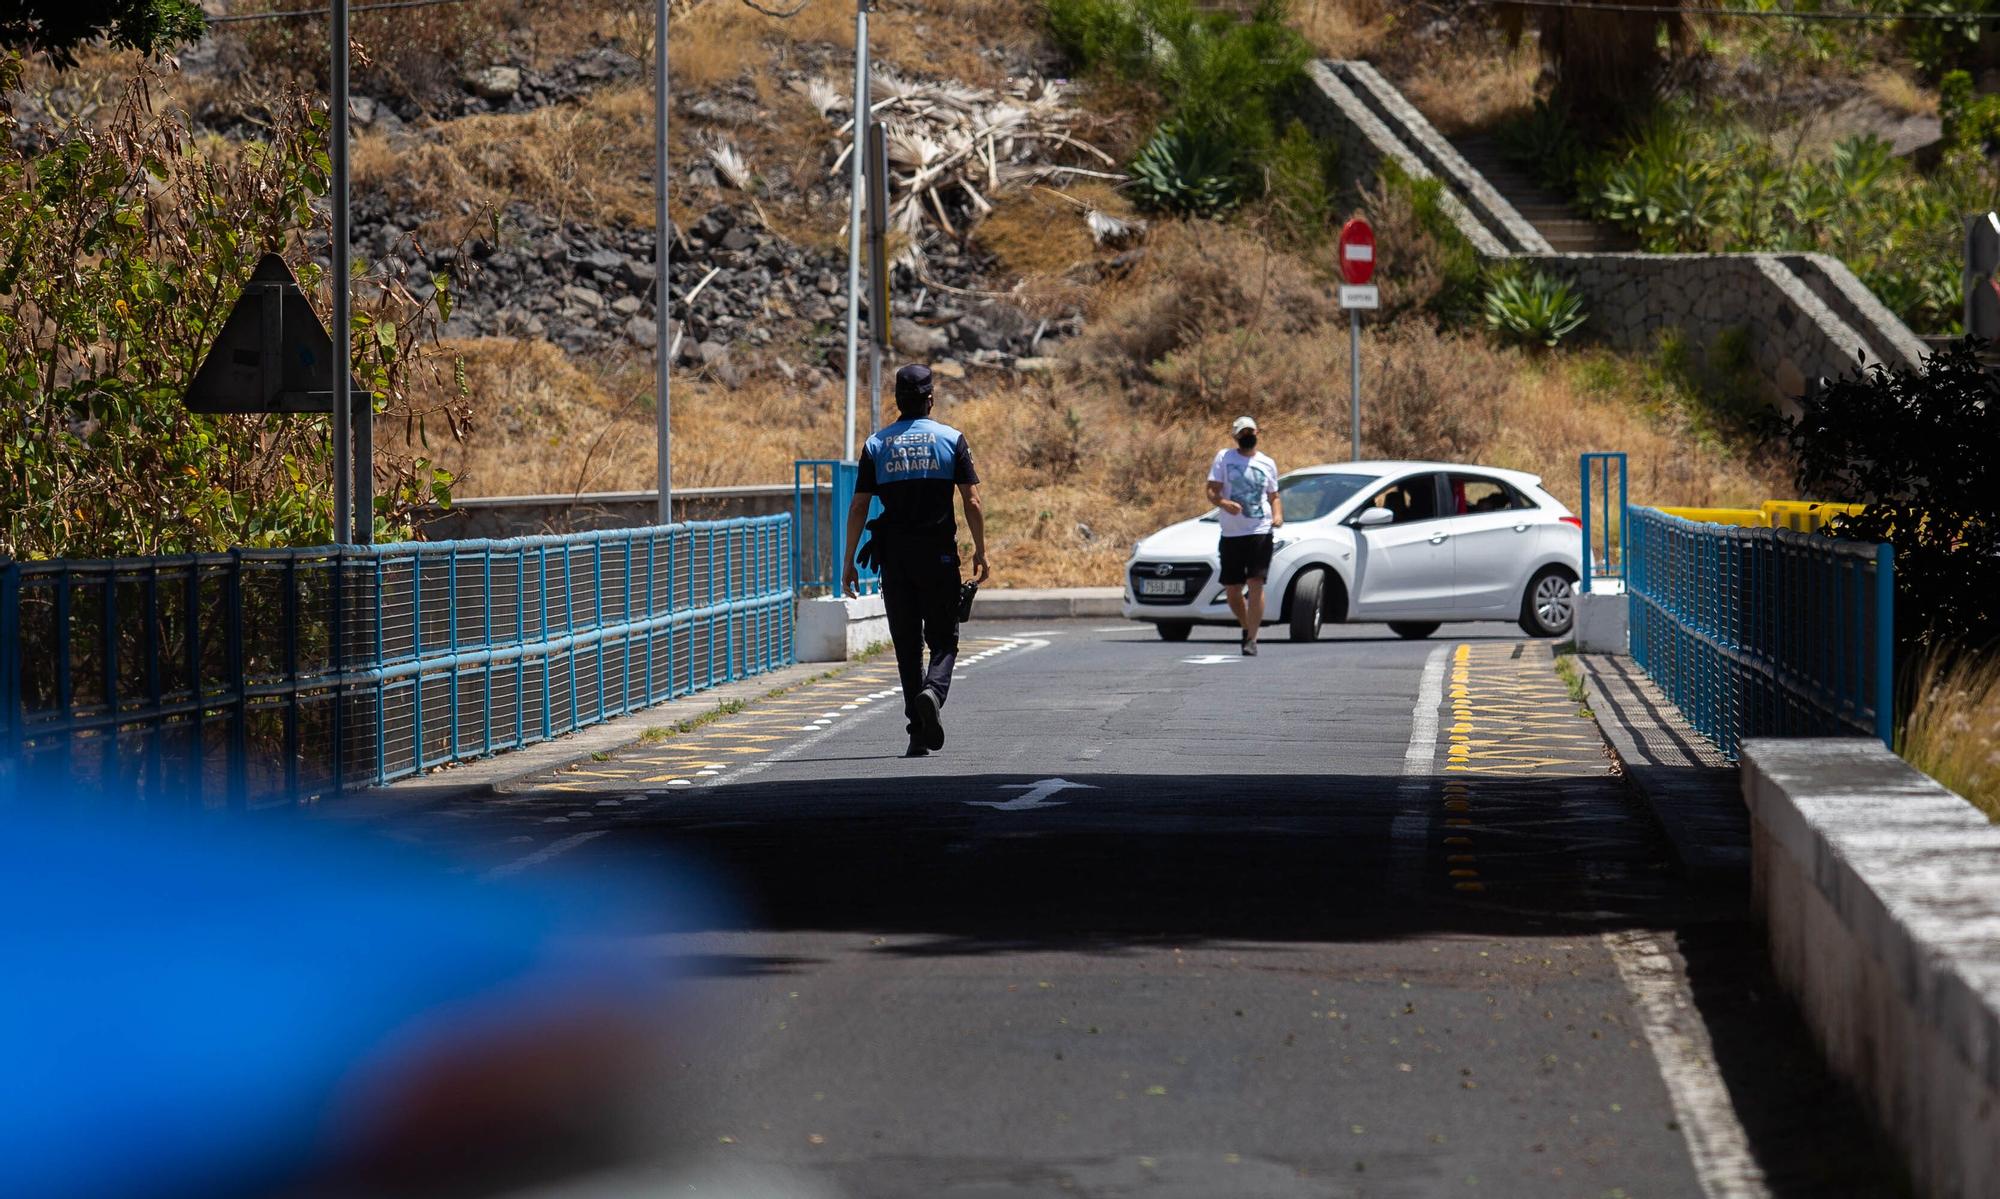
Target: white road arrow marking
<point>1036,793</point>
<point>1211,659</point>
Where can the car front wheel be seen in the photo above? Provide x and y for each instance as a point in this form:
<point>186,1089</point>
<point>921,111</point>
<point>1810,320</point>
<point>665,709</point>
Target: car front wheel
<point>1174,630</point>
<point>1548,608</point>
<point>1309,606</point>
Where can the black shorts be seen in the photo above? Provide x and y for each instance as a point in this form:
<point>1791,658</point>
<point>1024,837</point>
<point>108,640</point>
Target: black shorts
<point>1246,558</point>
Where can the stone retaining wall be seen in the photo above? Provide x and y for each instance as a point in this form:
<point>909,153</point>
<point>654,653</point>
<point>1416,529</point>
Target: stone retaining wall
<point>1807,316</point>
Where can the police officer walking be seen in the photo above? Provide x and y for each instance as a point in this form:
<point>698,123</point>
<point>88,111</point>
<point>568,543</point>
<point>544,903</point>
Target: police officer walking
<point>912,467</point>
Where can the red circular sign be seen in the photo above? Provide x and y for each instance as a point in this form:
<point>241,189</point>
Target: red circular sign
<point>1357,252</point>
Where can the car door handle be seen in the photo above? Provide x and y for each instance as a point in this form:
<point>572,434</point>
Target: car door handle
<point>1520,528</point>
<point>1438,538</point>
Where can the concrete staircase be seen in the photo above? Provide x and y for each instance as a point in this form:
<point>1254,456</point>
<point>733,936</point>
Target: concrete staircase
<point>1552,215</point>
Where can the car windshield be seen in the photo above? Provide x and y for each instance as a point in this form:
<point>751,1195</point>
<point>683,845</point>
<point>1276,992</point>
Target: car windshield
<point>1309,497</point>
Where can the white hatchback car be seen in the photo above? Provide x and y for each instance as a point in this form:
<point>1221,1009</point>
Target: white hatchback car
<point>1414,544</point>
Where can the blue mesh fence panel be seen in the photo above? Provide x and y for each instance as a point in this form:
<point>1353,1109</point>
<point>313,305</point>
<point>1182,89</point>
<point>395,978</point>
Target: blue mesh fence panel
<point>1763,632</point>
<point>265,676</point>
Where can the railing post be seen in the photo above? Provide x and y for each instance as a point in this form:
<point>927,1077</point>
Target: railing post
<point>10,673</point>
<point>1583,465</point>
<point>337,671</point>
<point>1885,644</point>
<point>239,708</point>
<point>291,624</point>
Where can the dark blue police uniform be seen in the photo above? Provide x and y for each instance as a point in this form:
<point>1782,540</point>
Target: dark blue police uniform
<point>913,467</point>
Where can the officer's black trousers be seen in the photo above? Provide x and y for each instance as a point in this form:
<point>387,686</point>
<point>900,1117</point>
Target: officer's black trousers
<point>920,598</point>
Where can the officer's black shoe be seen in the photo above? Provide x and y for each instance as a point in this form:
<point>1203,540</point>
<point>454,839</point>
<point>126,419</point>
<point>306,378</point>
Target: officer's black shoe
<point>929,727</point>
<point>916,749</point>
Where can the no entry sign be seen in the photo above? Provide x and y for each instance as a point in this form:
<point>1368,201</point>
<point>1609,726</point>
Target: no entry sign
<point>1357,252</point>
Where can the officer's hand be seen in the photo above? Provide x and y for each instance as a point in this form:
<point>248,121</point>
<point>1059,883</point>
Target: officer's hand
<point>1231,507</point>
<point>980,571</point>
<point>850,581</point>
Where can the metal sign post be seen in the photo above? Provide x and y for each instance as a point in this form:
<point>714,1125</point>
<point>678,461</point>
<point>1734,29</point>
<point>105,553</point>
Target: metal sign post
<point>857,179</point>
<point>343,322</point>
<point>878,267</point>
<point>663,350</point>
<point>1357,266</point>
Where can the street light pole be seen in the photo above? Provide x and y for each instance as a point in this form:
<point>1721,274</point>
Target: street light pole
<point>343,363</point>
<point>663,361</point>
<point>859,154</point>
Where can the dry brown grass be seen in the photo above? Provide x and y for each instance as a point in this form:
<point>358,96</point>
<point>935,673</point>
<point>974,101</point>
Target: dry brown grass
<point>565,160</point>
<point>1039,232</point>
<point>1343,28</point>
<point>1472,84</point>
<point>718,40</point>
<point>1899,93</point>
<point>1953,729</point>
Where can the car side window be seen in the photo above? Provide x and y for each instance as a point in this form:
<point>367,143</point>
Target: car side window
<point>1474,494</point>
<point>1408,500</point>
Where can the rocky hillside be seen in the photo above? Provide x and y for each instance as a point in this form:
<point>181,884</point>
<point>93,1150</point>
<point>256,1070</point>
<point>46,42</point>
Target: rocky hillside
<point>1092,354</point>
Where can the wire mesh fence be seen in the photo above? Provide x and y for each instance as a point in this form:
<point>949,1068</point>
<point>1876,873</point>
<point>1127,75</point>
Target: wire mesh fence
<point>1764,632</point>
<point>261,677</point>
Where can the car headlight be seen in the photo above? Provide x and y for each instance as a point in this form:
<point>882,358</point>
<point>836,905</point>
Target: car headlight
<point>1282,542</point>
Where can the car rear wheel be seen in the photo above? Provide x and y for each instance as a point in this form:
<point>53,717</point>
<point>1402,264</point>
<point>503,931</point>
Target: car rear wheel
<point>1174,630</point>
<point>1413,630</point>
<point>1548,608</point>
<point>1309,606</point>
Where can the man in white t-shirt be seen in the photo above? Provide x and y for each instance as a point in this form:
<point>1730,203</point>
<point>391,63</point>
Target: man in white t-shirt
<point>1244,485</point>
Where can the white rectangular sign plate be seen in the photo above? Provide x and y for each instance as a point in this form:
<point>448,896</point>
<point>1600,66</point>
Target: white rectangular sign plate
<point>1366,296</point>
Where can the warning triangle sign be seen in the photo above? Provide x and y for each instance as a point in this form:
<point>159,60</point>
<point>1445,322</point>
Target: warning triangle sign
<point>273,355</point>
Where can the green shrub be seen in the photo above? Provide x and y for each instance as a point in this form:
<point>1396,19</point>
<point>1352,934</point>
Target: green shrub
<point>1938,46</point>
<point>1696,180</point>
<point>123,252</point>
<point>1223,77</point>
<point>1186,172</point>
<point>1544,141</point>
<point>1533,308</point>
<point>1302,184</point>
<point>1916,446</point>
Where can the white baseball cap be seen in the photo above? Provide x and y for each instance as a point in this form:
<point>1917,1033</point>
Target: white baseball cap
<point>1242,423</point>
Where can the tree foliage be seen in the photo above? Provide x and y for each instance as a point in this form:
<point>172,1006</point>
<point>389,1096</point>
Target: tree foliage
<point>122,250</point>
<point>1223,78</point>
<point>1918,446</point>
<point>59,28</point>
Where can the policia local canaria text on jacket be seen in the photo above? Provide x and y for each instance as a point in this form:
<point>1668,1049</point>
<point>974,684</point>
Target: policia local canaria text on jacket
<point>913,466</point>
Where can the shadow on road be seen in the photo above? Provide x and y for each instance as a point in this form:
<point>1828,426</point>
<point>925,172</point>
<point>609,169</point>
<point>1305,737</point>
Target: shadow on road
<point>1124,864</point>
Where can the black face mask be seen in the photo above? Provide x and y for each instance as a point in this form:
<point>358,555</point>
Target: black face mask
<point>1247,441</point>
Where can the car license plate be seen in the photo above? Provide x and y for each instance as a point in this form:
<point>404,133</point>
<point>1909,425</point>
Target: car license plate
<point>1162,586</point>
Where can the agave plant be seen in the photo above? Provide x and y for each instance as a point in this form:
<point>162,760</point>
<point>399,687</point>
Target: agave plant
<point>1533,308</point>
<point>1183,172</point>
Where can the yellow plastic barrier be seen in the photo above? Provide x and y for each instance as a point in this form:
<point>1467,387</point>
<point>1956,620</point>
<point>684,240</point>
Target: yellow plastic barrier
<point>1805,516</point>
<point>1754,518</point>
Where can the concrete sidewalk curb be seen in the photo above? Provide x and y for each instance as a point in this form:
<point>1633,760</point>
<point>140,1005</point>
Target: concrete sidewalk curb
<point>483,777</point>
<point>1694,794</point>
<point>1048,603</point>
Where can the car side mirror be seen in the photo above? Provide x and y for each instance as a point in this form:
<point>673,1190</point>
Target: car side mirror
<point>1370,517</point>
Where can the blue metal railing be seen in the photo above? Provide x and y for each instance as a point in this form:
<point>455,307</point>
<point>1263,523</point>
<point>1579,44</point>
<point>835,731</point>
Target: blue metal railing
<point>1763,632</point>
<point>1599,470</point>
<point>259,677</point>
<point>822,490</point>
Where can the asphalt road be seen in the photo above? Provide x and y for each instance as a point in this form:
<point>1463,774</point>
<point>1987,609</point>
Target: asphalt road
<point>1164,921</point>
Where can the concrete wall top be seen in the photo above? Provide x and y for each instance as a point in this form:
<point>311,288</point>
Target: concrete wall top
<point>1911,869</point>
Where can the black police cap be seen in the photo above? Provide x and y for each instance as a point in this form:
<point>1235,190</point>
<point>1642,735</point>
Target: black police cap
<point>913,384</point>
